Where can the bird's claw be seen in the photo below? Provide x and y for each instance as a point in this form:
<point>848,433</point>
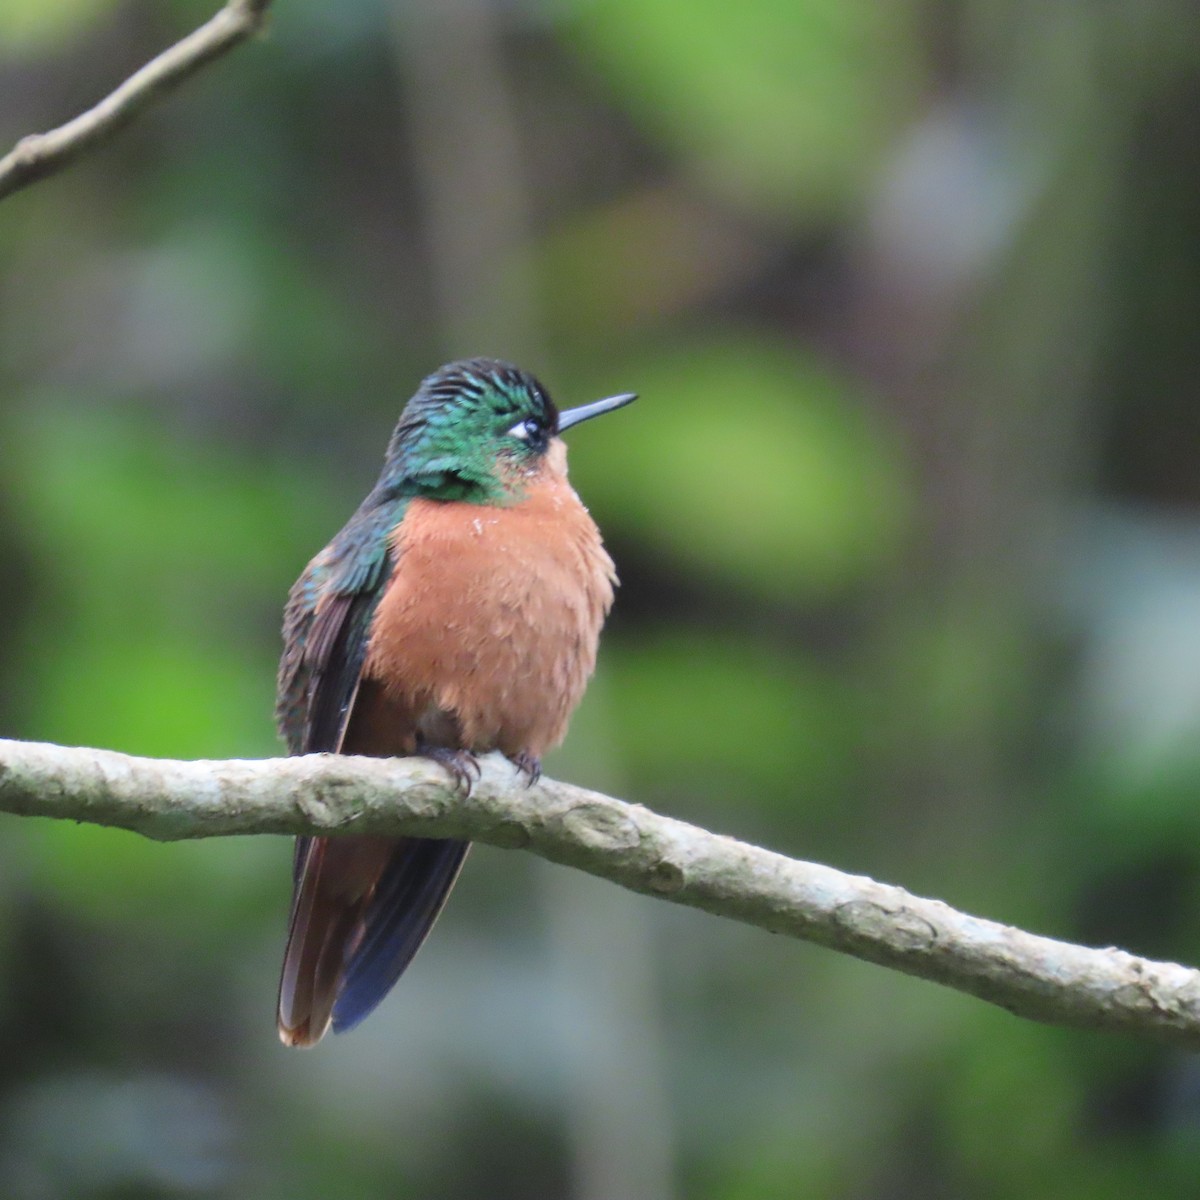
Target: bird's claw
<point>529,765</point>
<point>461,765</point>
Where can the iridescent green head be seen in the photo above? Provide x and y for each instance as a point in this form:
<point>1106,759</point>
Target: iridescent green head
<point>471,429</point>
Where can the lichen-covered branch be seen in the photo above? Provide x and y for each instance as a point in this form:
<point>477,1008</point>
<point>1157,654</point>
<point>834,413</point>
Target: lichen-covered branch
<point>41,154</point>
<point>1031,976</point>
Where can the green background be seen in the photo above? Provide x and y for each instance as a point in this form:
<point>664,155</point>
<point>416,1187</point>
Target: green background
<point>908,521</point>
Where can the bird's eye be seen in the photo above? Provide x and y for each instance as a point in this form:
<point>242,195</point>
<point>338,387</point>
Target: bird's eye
<point>528,430</point>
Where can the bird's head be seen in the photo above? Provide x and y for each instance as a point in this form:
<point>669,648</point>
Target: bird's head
<point>474,429</point>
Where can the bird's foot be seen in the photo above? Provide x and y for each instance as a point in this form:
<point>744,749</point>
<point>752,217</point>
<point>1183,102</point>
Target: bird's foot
<point>529,765</point>
<point>462,765</point>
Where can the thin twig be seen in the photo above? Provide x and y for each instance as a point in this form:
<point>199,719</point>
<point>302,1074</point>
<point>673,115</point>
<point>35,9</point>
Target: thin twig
<point>1031,976</point>
<point>42,154</point>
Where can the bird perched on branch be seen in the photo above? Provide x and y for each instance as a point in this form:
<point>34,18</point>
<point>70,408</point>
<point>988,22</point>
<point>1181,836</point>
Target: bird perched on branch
<point>457,612</point>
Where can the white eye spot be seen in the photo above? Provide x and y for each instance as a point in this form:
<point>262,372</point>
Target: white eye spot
<point>528,430</point>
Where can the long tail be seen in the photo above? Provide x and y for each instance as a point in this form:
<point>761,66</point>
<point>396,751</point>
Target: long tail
<point>360,911</point>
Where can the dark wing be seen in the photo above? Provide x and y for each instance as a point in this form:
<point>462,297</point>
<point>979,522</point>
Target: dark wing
<point>325,628</point>
<point>361,906</point>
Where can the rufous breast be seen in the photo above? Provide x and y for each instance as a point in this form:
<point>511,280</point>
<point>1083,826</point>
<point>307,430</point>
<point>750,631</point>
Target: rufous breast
<point>489,625</point>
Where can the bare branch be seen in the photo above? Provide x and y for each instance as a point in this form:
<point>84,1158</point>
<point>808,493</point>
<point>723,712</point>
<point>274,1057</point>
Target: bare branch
<point>1031,976</point>
<point>41,154</point>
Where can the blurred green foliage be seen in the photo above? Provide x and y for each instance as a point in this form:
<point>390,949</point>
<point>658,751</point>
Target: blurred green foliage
<point>764,473</point>
<point>778,104</point>
<point>906,523</point>
<point>30,25</point>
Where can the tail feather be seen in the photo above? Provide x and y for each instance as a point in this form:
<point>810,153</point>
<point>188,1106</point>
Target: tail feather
<point>361,909</point>
<point>411,894</point>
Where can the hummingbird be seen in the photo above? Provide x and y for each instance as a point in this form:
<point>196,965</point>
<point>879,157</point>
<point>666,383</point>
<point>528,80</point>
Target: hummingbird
<point>458,612</point>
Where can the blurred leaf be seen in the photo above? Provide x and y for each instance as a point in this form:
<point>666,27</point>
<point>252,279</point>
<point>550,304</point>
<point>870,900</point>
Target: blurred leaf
<point>988,1103</point>
<point>778,103</point>
<point>728,715</point>
<point>639,261</point>
<point>167,562</point>
<point>203,890</point>
<point>746,461</point>
<point>30,26</point>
